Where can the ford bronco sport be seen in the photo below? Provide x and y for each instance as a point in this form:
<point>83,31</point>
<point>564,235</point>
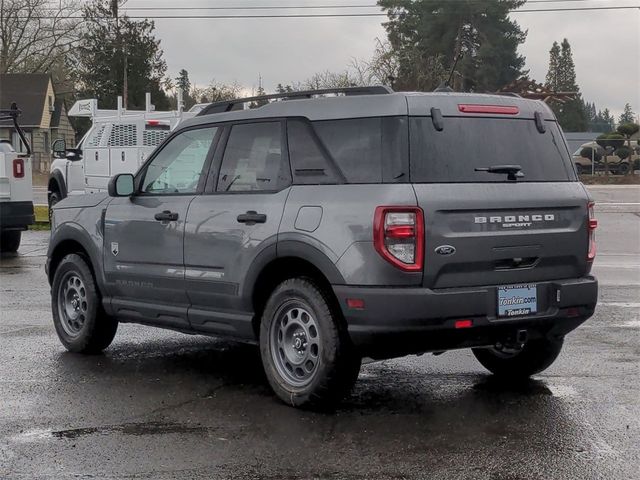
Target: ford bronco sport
<point>331,228</point>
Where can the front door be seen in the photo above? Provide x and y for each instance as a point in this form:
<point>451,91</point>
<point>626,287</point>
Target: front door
<point>234,226</point>
<point>144,234</point>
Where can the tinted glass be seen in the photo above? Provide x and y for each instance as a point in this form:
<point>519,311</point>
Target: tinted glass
<point>464,144</point>
<point>253,159</point>
<point>362,150</point>
<point>309,164</point>
<point>178,166</point>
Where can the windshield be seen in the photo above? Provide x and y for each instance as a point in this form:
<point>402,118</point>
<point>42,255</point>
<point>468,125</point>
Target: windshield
<point>466,144</point>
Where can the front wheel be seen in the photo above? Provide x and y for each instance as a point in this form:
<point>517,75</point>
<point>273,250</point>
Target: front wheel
<point>54,198</point>
<point>80,321</point>
<point>10,241</point>
<point>306,352</point>
<point>534,357</point>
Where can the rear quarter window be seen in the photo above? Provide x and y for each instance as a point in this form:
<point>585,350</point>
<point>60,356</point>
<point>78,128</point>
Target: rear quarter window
<point>360,150</point>
<point>464,144</point>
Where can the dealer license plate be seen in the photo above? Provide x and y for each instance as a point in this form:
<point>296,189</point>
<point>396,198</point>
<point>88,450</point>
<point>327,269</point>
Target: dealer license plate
<point>516,300</point>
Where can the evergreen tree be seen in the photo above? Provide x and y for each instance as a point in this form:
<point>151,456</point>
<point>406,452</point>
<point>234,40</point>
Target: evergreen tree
<point>428,36</point>
<point>567,69</point>
<point>608,118</point>
<point>627,116</point>
<point>183,84</point>
<point>109,47</point>
<point>572,114</point>
<point>552,80</point>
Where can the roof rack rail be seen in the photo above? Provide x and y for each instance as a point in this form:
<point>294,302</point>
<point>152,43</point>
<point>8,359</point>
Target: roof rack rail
<point>229,105</point>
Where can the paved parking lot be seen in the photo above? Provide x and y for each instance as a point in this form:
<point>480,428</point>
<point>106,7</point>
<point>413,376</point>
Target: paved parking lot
<point>163,405</point>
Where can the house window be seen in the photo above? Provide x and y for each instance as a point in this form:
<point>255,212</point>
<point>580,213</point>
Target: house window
<point>51,103</point>
<point>45,142</point>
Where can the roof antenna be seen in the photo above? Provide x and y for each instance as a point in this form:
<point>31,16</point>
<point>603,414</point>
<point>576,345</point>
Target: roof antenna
<point>446,86</point>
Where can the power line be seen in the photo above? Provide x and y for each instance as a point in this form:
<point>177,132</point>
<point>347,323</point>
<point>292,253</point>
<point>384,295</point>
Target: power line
<point>321,15</point>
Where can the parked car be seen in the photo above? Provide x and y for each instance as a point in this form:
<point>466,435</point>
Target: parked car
<point>16,192</point>
<point>583,156</point>
<point>367,224</point>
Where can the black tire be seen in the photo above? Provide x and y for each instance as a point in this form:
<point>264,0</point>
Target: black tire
<point>336,365</point>
<point>10,241</point>
<point>92,331</point>
<point>579,169</point>
<point>54,198</point>
<point>535,356</point>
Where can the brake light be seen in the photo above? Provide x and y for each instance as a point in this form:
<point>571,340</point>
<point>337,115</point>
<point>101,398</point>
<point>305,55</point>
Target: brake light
<point>18,168</point>
<point>398,236</point>
<point>494,109</point>
<point>593,224</point>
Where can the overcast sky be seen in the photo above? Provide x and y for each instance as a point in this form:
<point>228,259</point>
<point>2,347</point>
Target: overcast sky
<point>605,43</point>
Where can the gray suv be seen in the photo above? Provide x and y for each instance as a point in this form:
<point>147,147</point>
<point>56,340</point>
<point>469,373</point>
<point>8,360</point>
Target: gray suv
<point>329,228</point>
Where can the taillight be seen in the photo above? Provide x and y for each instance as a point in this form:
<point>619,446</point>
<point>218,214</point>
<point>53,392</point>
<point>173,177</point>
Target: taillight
<point>593,224</point>
<point>398,236</point>
<point>18,168</point>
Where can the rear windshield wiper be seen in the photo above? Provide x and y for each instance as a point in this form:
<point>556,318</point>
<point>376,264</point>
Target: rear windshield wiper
<point>513,172</point>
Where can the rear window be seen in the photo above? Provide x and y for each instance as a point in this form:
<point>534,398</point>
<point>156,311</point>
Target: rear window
<point>362,150</point>
<point>464,144</point>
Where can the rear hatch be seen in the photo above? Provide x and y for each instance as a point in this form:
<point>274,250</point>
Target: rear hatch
<point>484,228</point>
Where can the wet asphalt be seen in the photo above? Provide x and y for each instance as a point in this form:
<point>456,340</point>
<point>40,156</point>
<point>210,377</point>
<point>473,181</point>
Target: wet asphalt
<point>163,405</point>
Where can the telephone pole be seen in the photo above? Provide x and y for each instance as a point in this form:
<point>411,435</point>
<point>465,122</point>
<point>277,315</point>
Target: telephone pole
<point>122,47</point>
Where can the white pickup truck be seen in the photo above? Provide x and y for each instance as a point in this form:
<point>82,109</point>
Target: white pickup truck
<point>16,192</point>
<point>119,141</point>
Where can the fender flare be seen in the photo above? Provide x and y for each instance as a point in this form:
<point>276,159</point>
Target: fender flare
<point>291,249</point>
<point>73,231</point>
<point>56,176</point>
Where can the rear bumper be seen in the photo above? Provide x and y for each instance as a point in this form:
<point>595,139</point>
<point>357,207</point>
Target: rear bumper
<point>16,215</point>
<point>397,321</point>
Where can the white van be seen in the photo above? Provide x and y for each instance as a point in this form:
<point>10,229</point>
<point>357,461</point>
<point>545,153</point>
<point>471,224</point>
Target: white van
<point>119,141</point>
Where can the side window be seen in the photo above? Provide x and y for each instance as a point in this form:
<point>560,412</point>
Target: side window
<point>309,164</point>
<point>178,166</point>
<point>253,159</point>
<point>359,150</point>
<point>356,146</point>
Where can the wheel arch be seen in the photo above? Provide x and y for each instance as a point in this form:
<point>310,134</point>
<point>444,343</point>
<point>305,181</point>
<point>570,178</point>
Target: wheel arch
<point>293,259</point>
<point>56,181</point>
<point>71,238</point>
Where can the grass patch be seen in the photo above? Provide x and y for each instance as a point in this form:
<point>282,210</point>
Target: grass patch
<point>42,218</point>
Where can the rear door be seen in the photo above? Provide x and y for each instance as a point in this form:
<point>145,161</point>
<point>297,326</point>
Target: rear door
<point>235,224</point>
<point>481,227</point>
<point>144,234</point>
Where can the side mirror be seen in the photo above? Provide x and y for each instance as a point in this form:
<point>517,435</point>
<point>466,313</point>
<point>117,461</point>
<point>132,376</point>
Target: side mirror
<point>121,185</point>
<point>59,147</point>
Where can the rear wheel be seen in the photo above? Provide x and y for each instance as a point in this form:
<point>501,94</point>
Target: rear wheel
<point>80,321</point>
<point>10,241</point>
<point>579,169</point>
<point>306,352</point>
<point>534,357</point>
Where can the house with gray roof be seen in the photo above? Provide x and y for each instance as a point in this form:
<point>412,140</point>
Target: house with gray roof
<point>44,117</point>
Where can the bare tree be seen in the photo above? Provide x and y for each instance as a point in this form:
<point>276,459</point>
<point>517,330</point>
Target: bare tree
<point>36,34</point>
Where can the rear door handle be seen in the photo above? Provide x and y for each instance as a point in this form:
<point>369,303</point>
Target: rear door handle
<point>252,217</point>
<point>166,216</point>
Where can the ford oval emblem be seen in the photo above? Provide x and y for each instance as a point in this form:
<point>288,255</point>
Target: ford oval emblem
<point>445,250</point>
